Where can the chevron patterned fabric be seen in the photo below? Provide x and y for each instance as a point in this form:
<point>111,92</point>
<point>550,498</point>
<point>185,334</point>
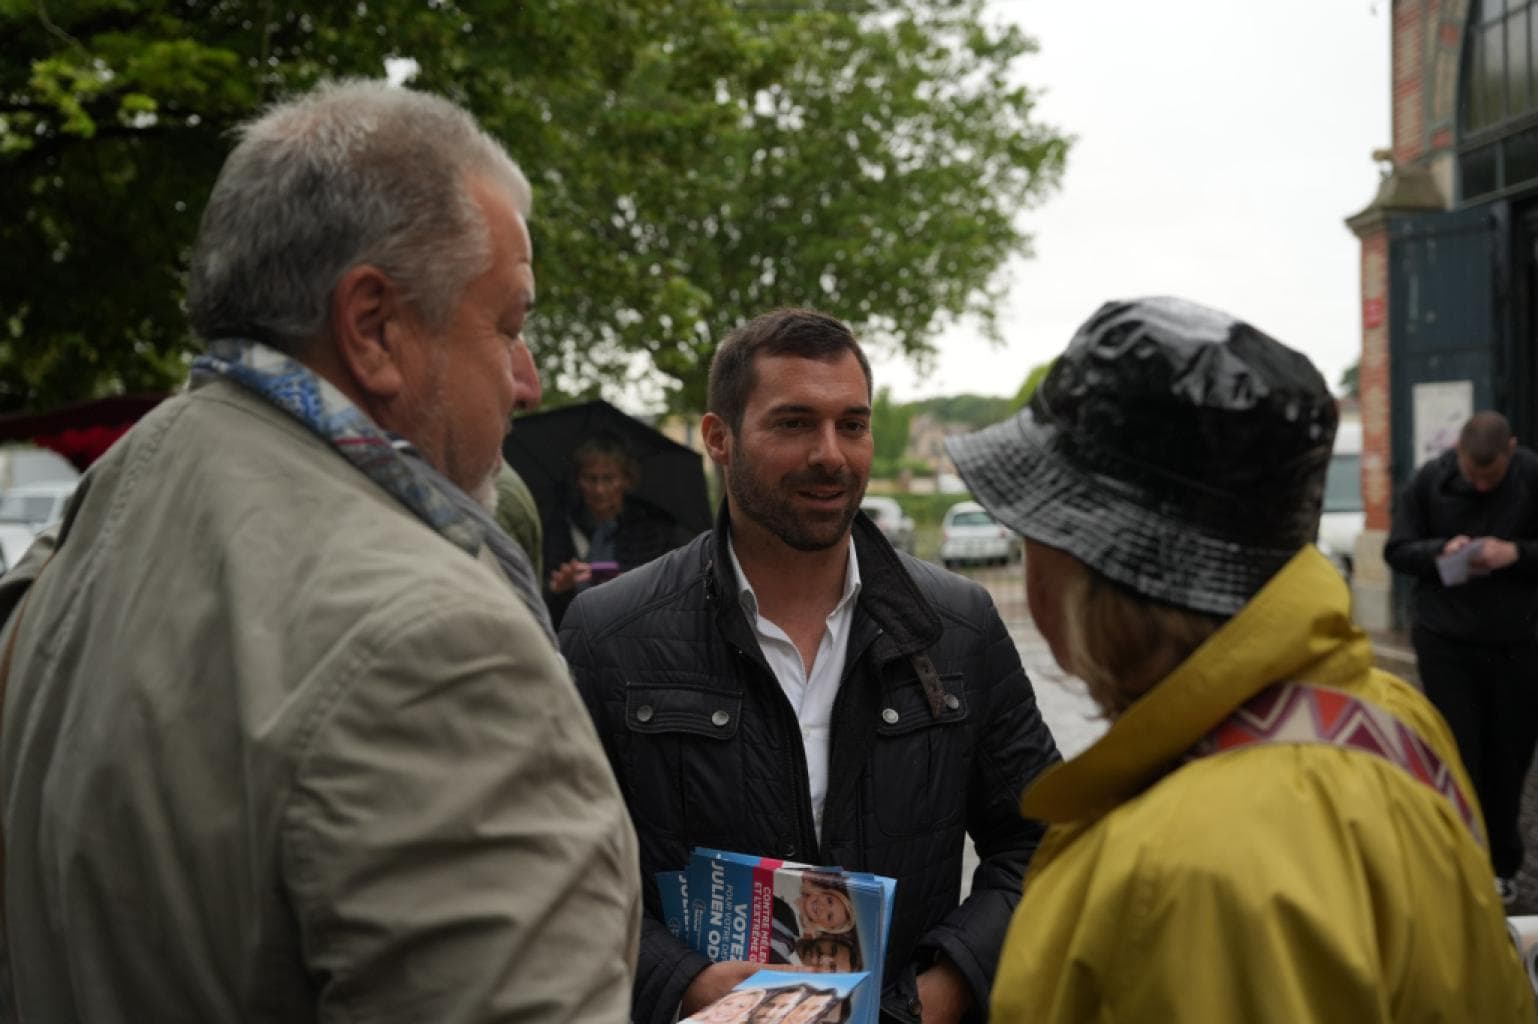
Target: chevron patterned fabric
<point>1304,713</point>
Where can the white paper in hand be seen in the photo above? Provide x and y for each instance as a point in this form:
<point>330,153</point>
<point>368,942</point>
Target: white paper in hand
<point>1455,568</point>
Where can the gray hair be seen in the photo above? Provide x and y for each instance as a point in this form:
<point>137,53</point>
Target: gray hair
<point>353,172</point>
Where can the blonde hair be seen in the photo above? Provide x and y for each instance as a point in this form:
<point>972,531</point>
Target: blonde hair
<point>1120,642</point>
<point>833,885</point>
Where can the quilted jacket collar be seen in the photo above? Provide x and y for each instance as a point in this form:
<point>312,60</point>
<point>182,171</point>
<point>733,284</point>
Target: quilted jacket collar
<point>908,624</point>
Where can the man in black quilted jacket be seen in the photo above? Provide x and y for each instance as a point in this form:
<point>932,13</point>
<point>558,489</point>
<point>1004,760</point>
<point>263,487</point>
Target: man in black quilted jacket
<point>788,685</point>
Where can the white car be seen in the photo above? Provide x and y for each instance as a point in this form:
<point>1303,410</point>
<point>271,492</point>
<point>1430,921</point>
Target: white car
<point>24,511</point>
<point>1342,519</point>
<point>969,534</point>
<point>37,505</point>
<point>888,516</point>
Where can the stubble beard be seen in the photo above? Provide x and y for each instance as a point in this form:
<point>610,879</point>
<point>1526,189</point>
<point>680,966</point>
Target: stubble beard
<point>771,508</point>
<point>476,480</point>
<point>485,494</point>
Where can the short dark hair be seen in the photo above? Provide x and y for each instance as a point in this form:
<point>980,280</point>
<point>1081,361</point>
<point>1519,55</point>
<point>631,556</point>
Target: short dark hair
<point>1485,437</point>
<point>806,944</point>
<point>805,333</point>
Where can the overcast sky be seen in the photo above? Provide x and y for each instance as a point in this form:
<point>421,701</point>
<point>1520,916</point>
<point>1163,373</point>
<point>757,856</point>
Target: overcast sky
<point>1220,145</point>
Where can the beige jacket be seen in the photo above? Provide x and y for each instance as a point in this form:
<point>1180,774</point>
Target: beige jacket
<point>273,750</point>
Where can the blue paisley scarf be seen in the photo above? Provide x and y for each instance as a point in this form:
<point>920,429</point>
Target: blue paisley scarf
<point>390,463</point>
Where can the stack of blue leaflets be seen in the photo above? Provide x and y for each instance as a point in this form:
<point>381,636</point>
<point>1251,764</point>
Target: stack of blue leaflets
<point>819,921</point>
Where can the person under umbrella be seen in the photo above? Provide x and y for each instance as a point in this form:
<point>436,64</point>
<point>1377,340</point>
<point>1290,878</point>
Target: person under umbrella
<point>1271,829</point>
<point>605,530</point>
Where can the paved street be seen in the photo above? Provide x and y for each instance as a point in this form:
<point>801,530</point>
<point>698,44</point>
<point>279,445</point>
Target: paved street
<point>1067,709</point>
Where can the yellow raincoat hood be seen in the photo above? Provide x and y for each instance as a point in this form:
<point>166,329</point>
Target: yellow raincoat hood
<point>1278,882</point>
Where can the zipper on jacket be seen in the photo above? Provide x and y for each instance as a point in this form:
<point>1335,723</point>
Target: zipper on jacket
<point>806,848</point>
<point>853,660</point>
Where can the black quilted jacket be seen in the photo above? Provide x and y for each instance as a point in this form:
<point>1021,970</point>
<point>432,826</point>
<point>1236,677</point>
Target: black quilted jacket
<point>935,735</point>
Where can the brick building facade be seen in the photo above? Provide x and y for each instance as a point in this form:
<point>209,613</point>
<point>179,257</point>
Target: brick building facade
<point>1448,267</point>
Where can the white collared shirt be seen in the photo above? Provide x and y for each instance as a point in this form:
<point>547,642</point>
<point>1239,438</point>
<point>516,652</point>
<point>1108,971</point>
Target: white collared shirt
<point>810,695</point>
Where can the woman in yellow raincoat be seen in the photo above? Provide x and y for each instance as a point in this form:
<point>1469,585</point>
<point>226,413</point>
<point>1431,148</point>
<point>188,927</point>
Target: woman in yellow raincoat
<point>1271,829</point>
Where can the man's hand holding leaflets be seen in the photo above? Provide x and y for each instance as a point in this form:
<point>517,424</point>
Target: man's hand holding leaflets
<point>744,912</point>
<point>1464,558</point>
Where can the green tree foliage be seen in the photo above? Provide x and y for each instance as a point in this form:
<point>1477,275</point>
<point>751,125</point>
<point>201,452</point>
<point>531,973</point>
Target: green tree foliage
<point>1350,383</point>
<point>114,120</point>
<point>973,410</point>
<point>889,430</point>
<point>1031,383</point>
<point>694,162</point>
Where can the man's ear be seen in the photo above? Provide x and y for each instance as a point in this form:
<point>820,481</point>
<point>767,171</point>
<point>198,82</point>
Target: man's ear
<point>369,326</point>
<point>717,437</point>
<point>1511,445</point>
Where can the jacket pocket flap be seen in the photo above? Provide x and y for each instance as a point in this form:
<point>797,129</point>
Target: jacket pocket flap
<point>699,711</point>
<point>905,707</point>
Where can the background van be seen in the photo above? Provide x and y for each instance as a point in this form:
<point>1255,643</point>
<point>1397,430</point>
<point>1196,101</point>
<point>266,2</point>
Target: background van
<point>1341,522</point>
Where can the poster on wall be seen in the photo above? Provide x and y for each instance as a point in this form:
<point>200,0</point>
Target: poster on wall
<point>1440,409</point>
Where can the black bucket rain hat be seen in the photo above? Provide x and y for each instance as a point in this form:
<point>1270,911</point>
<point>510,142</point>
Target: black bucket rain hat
<point>1173,448</point>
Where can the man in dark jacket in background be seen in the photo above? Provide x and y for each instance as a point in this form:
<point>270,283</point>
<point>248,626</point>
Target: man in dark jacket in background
<point>788,685</point>
<point>1476,640</point>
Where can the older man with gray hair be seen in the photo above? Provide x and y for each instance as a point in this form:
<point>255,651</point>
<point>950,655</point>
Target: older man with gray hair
<point>280,742</point>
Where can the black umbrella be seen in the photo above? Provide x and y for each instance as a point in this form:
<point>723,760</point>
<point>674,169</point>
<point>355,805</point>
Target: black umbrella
<point>539,447</point>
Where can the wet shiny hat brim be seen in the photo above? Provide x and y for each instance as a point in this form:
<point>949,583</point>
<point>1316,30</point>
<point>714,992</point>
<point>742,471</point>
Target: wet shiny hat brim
<point>1016,471</point>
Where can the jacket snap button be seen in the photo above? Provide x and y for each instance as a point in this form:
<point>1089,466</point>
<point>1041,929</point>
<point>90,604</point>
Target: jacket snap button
<point>643,713</point>
<point>720,718</point>
<point>952,701</point>
<point>889,716</point>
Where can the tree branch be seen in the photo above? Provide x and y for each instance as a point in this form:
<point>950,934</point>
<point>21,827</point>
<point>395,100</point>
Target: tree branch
<point>56,31</point>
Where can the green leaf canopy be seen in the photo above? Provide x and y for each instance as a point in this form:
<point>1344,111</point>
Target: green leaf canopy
<point>695,162</point>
